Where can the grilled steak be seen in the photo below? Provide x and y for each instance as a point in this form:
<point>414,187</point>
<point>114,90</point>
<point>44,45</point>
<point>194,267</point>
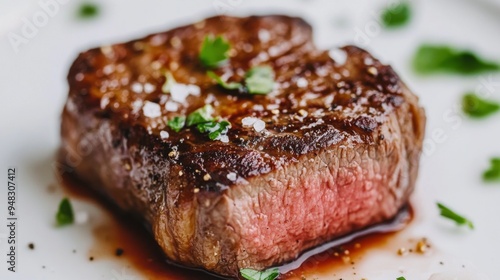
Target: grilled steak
<point>339,151</point>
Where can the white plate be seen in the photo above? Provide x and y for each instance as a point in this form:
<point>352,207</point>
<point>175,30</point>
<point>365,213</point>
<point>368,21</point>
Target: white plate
<point>33,90</point>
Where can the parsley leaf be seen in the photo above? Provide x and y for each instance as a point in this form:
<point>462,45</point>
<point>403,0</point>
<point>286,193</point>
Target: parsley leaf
<point>251,274</point>
<point>214,129</point>
<point>222,83</point>
<point>396,15</point>
<point>476,107</point>
<point>88,10</point>
<point>259,80</point>
<point>200,115</point>
<point>214,51</point>
<point>65,215</point>
<point>435,58</point>
<point>401,278</point>
<point>177,123</point>
<point>493,174</point>
<point>450,214</point>
<point>205,123</point>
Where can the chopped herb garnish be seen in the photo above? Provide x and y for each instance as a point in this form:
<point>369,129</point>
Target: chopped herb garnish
<point>177,123</point>
<point>200,115</point>
<point>431,59</point>
<point>214,51</point>
<point>251,274</point>
<point>401,278</point>
<point>476,107</point>
<point>396,15</point>
<point>204,122</point>
<point>88,10</point>
<point>222,83</point>
<point>493,174</point>
<point>450,214</point>
<point>258,80</point>
<point>64,215</point>
<point>214,129</point>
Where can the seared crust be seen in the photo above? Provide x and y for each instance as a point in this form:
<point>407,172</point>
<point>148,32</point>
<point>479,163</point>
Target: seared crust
<point>318,105</point>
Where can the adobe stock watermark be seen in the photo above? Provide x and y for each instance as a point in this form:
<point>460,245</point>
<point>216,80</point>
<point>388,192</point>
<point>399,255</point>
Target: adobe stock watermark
<point>223,7</point>
<point>454,118</point>
<point>31,26</point>
<point>372,28</point>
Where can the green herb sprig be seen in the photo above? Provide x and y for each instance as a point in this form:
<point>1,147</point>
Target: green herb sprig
<point>251,274</point>
<point>450,214</point>
<point>430,59</point>
<point>200,115</point>
<point>64,215</point>
<point>493,173</point>
<point>396,15</point>
<point>88,10</point>
<point>214,51</point>
<point>203,121</point>
<point>475,107</point>
<point>215,129</point>
<point>257,80</point>
<point>177,123</point>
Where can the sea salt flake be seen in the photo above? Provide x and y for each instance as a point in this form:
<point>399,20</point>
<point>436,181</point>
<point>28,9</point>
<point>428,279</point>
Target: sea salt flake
<point>264,35</point>
<point>164,134</point>
<point>232,176</point>
<point>151,109</point>
<point>338,55</point>
<point>259,125</point>
<point>302,82</point>
<point>223,138</point>
<point>248,121</point>
<point>149,88</point>
<point>180,92</point>
<point>137,87</point>
<point>171,106</point>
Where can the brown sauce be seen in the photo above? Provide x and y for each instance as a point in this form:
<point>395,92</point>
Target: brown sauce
<point>126,238</point>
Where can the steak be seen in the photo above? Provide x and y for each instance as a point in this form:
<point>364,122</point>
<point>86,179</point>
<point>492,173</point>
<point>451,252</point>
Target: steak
<point>332,149</point>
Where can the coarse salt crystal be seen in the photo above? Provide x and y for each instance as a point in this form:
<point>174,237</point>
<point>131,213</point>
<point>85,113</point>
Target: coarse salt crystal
<point>232,176</point>
<point>149,88</point>
<point>338,55</point>
<point>264,35</point>
<point>171,106</point>
<point>258,107</point>
<point>79,77</point>
<point>151,109</point>
<point>108,69</point>
<point>259,125</point>
<point>248,121</point>
<point>137,87</point>
<point>180,92</point>
<point>136,106</point>
<point>274,51</point>
<point>164,134</point>
<point>104,102</point>
<point>272,106</point>
<point>302,82</point>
